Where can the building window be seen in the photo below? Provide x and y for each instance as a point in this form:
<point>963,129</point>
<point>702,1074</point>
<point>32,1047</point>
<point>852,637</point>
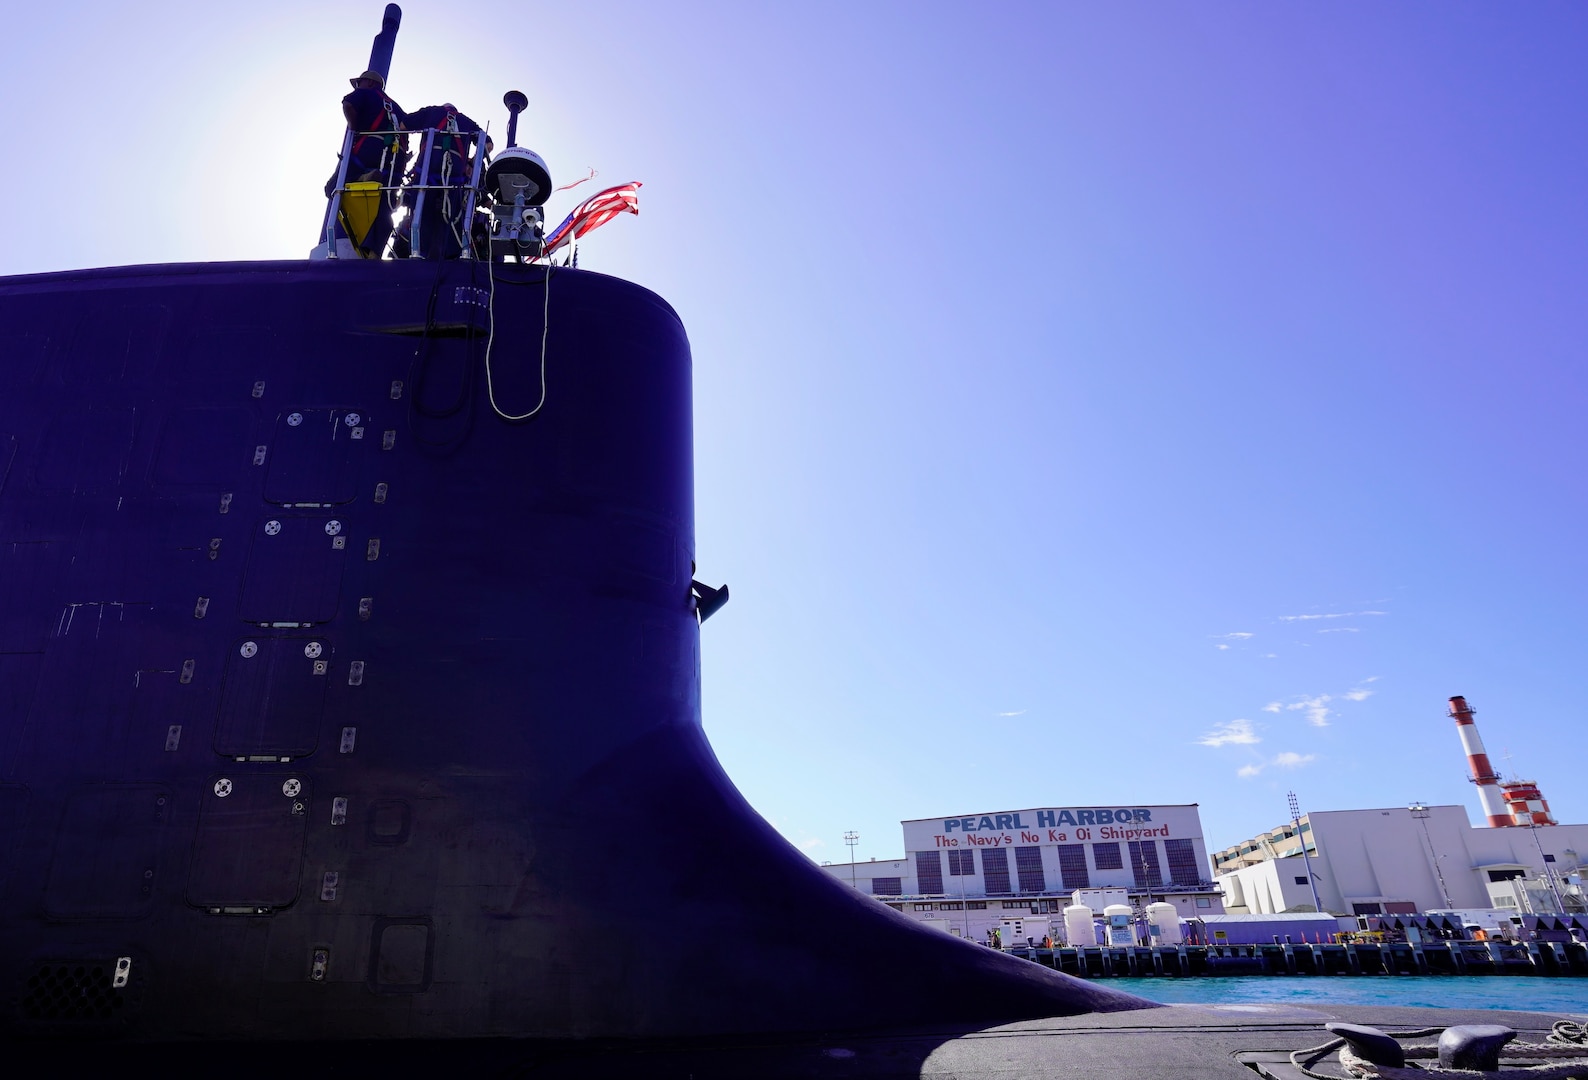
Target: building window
<point>1504,875</point>
<point>897,907</point>
<point>1301,881</point>
<point>1015,905</point>
<point>1106,857</point>
<point>1072,866</point>
<point>1204,902</point>
<point>928,872</point>
<point>923,907</point>
<point>1182,861</point>
<point>1549,858</point>
<point>956,906</point>
<point>976,905</point>
<point>1144,864</point>
<point>886,886</point>
<point>1366,909</point>
<point>961,863</point>
<point>1028,868</point>
<point>995,870</point>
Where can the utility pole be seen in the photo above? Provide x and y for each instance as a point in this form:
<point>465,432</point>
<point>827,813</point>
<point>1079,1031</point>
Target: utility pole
<point>1312,882</point>
<point>1420,811</point>
<point>852,838</point>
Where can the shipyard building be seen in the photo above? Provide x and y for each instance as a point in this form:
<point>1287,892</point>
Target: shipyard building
<point>1404,860</point>
<point>1416,858</point>
<point>967,873</point>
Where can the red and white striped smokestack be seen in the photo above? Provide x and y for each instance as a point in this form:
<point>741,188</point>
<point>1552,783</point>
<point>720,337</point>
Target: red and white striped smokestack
<point>1483,773</point>
<point>1526,803</point>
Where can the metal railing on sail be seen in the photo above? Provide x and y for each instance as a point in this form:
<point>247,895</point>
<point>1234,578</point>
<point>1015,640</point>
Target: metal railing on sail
<point>423,187</point>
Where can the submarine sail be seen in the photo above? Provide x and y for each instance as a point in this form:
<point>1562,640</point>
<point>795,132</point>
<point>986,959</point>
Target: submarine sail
<point>347,692</point>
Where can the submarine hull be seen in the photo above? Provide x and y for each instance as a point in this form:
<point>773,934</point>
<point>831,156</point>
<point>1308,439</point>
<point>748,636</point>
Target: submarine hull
<point>350,680</point>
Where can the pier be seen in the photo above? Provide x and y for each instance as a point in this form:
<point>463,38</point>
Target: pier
<point>1542,958</point>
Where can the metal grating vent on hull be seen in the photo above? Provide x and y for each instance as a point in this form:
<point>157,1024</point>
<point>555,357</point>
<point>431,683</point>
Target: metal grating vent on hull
<point>80,993</point>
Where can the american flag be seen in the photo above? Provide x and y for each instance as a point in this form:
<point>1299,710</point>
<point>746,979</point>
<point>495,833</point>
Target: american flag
<point>593,213</point>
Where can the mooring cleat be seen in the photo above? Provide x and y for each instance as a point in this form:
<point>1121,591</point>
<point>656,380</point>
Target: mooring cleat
<point>1370,1044</point>
<point>1473,1046</point>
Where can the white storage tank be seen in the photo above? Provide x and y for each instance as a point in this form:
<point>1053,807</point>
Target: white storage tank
<point>1078,925</point>
<point>1163,924</point>
<point>1120,931</point>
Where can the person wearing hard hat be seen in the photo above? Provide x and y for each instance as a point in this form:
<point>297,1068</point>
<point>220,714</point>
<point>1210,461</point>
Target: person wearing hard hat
<point>378,150</point>
<point>375,120</point>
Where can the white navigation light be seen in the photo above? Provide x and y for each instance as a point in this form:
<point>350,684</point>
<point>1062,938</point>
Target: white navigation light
<point>517,182</point>
<point>519,171</point>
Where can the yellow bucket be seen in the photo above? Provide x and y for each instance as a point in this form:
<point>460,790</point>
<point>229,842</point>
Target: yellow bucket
<point>360,203</point>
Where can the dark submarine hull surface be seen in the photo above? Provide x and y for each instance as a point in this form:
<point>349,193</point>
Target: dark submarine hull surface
<point>334,705</point>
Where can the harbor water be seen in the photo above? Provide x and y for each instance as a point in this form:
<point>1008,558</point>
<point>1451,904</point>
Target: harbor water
<point>1566,996</point>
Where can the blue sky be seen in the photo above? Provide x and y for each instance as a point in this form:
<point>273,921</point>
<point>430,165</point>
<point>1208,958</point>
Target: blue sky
<point>1124,403</point>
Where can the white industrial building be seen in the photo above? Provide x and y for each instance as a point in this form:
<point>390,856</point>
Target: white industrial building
<point>967,873</point>
<point>1404,860</point>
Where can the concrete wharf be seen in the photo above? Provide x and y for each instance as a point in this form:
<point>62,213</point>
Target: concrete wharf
<point>1543,958</point>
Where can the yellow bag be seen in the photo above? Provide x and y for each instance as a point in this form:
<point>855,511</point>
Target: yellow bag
<point>361,202</point>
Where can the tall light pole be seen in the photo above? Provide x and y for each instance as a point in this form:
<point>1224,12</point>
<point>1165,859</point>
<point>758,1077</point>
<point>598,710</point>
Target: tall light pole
<point>964,913</point>
<point>1312,883</point>
<point>1549,877</point>
<point>1143,872</point>
<point>1421,812</point>
<point>852,838</point>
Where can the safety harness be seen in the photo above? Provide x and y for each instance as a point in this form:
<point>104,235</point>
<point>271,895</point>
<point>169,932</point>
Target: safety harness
<point>383,129</point>
<point>450,140</point>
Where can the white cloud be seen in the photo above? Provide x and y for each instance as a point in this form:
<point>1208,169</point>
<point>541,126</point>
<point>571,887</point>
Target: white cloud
<point>1317,709</point>
<point>1330,615</point>
<point>1017,712</point>
<point>1341,630</point>
<point>1285,759</point>
<point>811,843</point>
<point>1239,635</point>
<point>1236,732</point>
<point>1221,646</point>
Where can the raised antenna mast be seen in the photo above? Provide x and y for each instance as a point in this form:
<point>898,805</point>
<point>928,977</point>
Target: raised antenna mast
<point>380,51</point>
<point>516,103</point>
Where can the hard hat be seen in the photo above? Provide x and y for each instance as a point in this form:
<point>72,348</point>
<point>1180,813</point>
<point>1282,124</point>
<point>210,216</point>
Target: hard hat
<point>374,76</point>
